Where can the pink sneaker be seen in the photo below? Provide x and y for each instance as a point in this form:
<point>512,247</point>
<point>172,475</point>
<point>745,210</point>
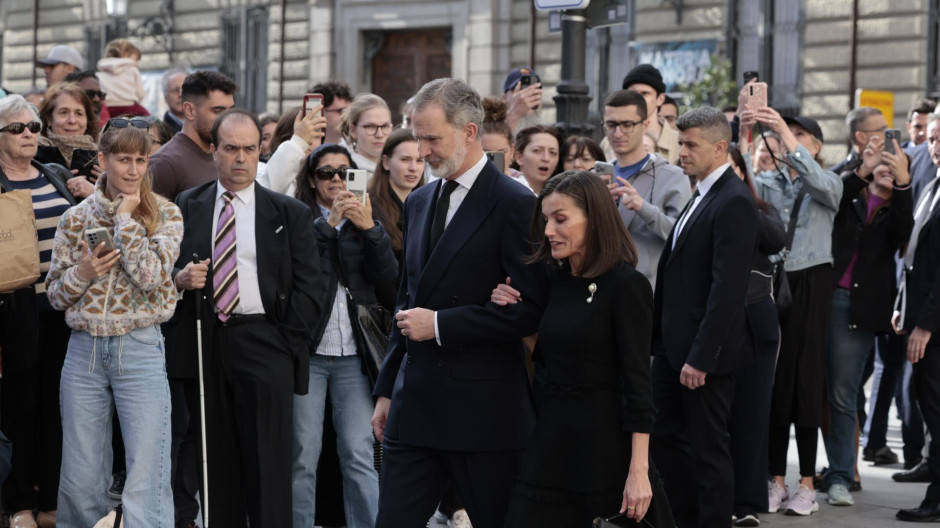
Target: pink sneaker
<point>776,496</point>
<point>803,502</point>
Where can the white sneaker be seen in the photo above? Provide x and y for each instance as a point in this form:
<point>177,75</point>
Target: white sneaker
<point>776,496</point>
<point>839,495</point>
<point>803,502</point>
<point>460,519</point>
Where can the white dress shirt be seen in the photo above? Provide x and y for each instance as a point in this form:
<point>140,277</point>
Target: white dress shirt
<point>249,293</point>
<point>464,183</point>
<point>703,187</point>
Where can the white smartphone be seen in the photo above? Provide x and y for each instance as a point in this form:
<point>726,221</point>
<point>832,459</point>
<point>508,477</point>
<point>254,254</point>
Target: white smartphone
<point>95,236</point>
<point>357,181</point>
<point>311,101</point>
<point>604,170</point>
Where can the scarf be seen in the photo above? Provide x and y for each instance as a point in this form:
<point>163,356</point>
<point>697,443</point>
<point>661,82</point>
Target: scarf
<point>66,144</point>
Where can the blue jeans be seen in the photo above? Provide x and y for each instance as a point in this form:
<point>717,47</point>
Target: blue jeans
<point>848,352</point>
<point>351,398</point>
<point>127,372</point>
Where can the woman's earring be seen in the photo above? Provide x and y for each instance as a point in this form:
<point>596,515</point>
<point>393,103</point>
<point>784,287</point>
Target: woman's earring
<point>591,289</point>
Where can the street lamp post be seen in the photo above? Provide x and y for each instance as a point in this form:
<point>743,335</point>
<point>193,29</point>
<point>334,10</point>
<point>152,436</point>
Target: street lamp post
<point>572,99</point>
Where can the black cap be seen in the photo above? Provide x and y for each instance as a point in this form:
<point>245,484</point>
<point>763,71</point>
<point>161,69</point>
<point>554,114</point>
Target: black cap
<point>645,74</point>
<point>808,124</point>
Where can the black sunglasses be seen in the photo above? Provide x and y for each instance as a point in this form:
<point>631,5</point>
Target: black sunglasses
<point>124,122</point>
<point>93,93</point>
<point>19,128</point>
<point>327,173</point>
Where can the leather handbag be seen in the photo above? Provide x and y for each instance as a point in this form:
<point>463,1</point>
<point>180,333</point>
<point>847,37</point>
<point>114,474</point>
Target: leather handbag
<point>783,296</point>
<point>19,240</point>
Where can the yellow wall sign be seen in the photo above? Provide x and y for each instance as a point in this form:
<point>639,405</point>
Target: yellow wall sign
<point>883,101</point>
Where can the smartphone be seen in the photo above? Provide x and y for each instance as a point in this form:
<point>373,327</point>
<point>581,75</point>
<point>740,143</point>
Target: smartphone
<point>498,158</point>
<point>311,101</point>
<point>83,160</point>
<point>95,236</point>
<point>748,75</point>
<point>525,81</point>
<point>604,170</point>
<point>892,134</point>
<point>357,180</point>
<point>756,95</point>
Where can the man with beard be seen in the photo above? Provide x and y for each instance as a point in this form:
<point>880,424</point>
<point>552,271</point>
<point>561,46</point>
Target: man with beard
<point>463,413</point>
<point>182,163</point>
<point>185,161</point>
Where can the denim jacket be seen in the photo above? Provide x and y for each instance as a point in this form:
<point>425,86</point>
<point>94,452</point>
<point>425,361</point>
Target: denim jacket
<point>812,241</point>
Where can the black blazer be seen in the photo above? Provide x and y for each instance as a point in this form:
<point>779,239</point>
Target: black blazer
<point>699,315</point>
<point>874,278</point>
<point>292,289</point>
<point>472,392</point>
<point>923,286</point>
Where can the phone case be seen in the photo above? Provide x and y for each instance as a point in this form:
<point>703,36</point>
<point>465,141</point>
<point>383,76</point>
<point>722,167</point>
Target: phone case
<point>357,180</point>
<point>311,101</point>
<point>757,95</point>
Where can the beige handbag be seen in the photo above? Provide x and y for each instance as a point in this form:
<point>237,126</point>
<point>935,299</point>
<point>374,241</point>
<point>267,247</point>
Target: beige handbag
<point>113,519</point>
<point>19,242</point>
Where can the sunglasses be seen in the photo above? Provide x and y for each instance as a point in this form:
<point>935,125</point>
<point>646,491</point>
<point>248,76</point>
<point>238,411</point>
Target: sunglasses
<point>327,173</point>
<point>19,128</point>
<point>124,122</point>
<point>95,93</point>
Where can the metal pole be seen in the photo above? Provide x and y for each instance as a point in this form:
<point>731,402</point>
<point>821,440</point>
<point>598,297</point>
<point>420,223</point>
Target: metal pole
<point>853,55</point>
<point>572,99</point>
<point>532,15</point>
<point>35,38</point>
<point>280,88</point>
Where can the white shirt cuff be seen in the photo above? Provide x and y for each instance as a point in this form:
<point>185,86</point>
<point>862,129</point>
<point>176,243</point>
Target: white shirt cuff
<point>437,333</point>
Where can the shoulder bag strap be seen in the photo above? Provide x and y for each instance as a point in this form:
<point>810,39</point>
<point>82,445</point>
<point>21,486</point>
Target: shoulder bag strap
<point>794,215</point>
<point>5,185</point>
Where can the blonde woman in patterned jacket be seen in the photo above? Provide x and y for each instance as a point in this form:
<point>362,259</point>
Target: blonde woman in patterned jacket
<point>114,302</point>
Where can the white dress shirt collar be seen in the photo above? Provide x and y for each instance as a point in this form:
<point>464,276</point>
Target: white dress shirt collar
<point>467,179</point>
<point>705,185</point>
<point>245,195</point>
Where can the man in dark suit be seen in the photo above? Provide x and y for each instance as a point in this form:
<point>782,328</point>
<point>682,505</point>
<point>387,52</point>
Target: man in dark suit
<point>919,316</point>
<point>262,289</point>
<point>453,395</point>
<point>700,335</point>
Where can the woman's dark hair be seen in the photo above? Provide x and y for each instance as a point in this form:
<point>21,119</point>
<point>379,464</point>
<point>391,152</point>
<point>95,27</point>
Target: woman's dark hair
<point>607,241</point>
<point>524,137</point>
<point>495,112</point>
<point>738,159</point>
<point>581,144</point>
<point>284,129</point>
<point>305,192</point>
<point>160,127</point>
<point>380,189</point>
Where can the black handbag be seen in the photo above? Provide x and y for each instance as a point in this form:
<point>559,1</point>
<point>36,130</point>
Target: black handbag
<point>783,296</point>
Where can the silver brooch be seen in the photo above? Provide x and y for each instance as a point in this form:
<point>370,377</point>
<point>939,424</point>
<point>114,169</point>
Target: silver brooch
<point>591,288</point>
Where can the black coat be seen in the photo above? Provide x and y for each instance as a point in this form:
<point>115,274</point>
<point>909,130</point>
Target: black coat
<point>367,261</point>
<point>874,278</point>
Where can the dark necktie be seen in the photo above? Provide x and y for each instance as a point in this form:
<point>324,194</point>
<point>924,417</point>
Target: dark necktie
<point>440,214</point>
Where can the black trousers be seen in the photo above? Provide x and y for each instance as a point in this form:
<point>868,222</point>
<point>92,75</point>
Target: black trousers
<point>249,408</point>
<point>927,380</point>
<point>34,345</point>
<point>186,450</point>
<point>690,444</point>
<point>413,478</point>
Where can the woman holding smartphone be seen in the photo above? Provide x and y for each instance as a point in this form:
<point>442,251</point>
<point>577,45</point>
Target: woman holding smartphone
<point>114,302</point>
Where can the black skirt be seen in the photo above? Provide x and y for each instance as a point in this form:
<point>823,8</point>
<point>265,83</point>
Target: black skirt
<point>800,378</point>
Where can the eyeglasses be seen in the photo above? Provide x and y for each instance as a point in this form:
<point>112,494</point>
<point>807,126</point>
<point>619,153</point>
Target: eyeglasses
<point>327,173</point>
<point>95,93</point>
<point>373,130</point>
<point>124,122</point>
<point>19,128</point>
<point>336,110</point>
<point>625,126</point>
<point>873,130</point>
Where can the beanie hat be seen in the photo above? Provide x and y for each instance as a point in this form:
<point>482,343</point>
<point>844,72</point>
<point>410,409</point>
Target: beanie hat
<point>645,74</point>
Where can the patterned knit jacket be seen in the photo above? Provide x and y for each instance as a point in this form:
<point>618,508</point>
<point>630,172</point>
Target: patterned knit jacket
<point>138,291</point>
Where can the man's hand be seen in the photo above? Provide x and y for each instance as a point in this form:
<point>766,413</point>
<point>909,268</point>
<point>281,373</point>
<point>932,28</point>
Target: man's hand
<point>692,377</point>
<point>522,101</point>
<point>193,276</point>
<point>416,324</point>
<point>380,417</point>
<point>917,344</point>
<point>629,197</point>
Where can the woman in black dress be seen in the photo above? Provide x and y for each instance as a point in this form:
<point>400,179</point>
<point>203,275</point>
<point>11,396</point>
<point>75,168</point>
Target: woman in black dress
<point>589,453</point>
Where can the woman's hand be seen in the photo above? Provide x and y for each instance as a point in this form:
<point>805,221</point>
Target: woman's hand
<point>871,156</point>
<point>93,265</point>
<point>637,494</point>
<point>129,202</point>
<point>898,165</point>
<point>96,171</point>
<point>505,294</point>
<point>79,186</point>
<point>343,201</point>
<point>360,214</point>
<point>312,127</point>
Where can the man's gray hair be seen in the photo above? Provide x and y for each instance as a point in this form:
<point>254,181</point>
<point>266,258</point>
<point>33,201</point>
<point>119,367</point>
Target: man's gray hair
<point>932,118</point>
<point>857,116</point>
<point>460,102</point>
<point>167,75</point>
<point>14,104</point>
<point>712,121</point>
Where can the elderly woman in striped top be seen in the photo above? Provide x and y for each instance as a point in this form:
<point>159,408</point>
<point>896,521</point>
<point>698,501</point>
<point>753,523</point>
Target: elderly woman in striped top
<point>33,336</point>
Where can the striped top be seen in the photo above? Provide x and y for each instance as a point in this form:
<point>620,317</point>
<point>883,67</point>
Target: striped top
<point>48,206</point>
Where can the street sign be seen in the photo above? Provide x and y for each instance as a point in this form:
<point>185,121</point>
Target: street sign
<point>554,22</point>
<point>549,5</point>
<point>883,101</point>
<point>603,13</point>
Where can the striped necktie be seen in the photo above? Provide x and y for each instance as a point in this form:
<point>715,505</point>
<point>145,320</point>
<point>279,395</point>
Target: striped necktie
<point>224,258</point>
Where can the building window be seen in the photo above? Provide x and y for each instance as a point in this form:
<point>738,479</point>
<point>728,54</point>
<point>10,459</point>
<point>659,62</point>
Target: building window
<point>245,54</point>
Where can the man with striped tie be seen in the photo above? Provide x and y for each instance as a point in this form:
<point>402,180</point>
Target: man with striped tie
<point>262,288</point>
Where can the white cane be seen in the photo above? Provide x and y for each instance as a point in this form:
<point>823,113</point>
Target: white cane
<point>202,406</point>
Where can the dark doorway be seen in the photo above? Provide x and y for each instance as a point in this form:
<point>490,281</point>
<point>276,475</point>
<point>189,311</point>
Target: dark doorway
<point>405,61</point>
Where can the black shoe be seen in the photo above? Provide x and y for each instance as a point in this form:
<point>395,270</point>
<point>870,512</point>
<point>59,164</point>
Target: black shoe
<point>928,511</point>
<point>117,485</point>
<point>880,457</point>
<point>856,485</point>
<point>919,473</point>
<point>910,463</point>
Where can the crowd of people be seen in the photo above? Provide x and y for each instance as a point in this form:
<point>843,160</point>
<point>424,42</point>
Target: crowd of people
<point>567,329</point>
